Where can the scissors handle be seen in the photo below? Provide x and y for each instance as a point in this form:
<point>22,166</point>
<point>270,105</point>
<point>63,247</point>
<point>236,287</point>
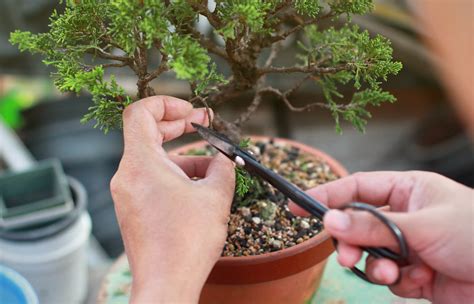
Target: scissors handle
<point>317,209</point>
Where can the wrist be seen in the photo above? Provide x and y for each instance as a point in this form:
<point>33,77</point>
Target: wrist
<point>166,290</point>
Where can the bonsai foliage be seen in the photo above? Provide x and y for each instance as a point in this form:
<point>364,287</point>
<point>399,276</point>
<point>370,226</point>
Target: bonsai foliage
<point>91,36</point>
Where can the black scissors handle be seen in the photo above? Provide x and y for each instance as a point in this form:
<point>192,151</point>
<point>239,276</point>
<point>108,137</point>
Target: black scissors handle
<point>318,209</point>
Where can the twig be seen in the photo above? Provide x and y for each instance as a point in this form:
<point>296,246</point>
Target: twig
<point>298,85</point>
<point>300,26</point>
<point>203,10</point>
<point>273,53</point>
<point>305,69</point>
<point>284,97</point>
<point>245,116</point>
<point>257,99</point>
<point>163,67</point>
<point>202,100</point>
<point>115,65</point>
<point>105,55</point>
<point>207,43</point>
<point>280,7</point>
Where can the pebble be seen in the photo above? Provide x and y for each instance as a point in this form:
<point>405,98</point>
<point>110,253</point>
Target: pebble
<point>256,220</point>
<point>232,229</point>
<point>269,223</point>
<point>276,244</point>
<point>304,224</point>
<point>245,211</point>
<point>239,161</point>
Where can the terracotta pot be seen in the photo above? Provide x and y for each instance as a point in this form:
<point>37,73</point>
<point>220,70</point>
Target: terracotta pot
<point>290,275</point>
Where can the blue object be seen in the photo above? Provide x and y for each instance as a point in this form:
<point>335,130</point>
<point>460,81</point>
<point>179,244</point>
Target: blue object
<point>15,289</point>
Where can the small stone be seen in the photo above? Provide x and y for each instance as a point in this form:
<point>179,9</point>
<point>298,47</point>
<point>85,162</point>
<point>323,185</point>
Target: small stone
<point>239,161</point>
<point>276,244</point>
<point>232,229</point>
<point>300,240</point>
<point>254,150</point>
<point>304,224</point>
<point>269,223</point>
<point>256,220</point>
<point>246,213</point>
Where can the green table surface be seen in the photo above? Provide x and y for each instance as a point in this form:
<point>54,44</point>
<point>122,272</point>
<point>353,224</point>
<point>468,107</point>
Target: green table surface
<point>338,286</point>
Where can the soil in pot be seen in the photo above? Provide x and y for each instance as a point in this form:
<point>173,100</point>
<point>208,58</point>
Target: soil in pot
<point>260,220</point>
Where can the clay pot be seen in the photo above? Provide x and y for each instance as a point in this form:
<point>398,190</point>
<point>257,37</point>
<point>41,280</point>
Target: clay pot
<point>290,275</point>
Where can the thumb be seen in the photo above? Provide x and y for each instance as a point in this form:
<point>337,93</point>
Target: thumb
<point>220,175</point>
<point>363,229</point>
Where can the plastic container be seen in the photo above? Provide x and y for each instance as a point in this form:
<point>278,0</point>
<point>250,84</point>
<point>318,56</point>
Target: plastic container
<point>15,289</point>
<point>57,266</point>
<point>34,196</point>
<point>52,129</point>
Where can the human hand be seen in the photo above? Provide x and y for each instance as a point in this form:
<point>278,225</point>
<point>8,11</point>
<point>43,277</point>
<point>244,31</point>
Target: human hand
<point>436,216</point>
<point>173,227</point>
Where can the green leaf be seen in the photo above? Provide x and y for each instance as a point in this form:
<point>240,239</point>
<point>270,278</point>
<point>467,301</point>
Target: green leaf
<point>309,8</point>
<point>187,58</point>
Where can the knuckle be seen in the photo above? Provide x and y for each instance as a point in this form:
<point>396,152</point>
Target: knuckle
<point>425,175</point>
<point>359,175</point>
<point>131,110</point>
<point>115,185</point>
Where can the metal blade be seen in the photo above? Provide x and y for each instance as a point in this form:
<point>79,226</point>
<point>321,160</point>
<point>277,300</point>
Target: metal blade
<point>218,141</point>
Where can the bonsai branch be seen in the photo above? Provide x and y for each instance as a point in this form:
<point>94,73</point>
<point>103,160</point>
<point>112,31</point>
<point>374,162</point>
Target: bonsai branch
<point>202,9</point>
<point>273,53</point>
<point>312,69</point>
<point>163,67</point>
<point>115,65</point>
<point>207,43</point>
<point>300,26</point>
<point>245,116</point>
<point>203,101</point>
<point>106,55</point>
<point>284,96</point>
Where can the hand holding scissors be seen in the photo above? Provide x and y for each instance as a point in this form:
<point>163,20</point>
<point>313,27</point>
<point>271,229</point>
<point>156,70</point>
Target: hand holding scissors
<point>249,163</point>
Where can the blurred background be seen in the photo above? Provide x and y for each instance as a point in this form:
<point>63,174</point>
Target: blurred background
<point>421,131</point>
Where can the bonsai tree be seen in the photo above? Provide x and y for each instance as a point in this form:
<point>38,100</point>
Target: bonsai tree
<point>151,37</point>
<point>91,36</point>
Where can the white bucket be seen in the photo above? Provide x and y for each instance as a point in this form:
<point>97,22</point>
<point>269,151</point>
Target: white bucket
<point>56,267</point>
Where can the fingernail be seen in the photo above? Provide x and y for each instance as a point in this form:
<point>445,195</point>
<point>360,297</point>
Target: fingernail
<point>339,220</point>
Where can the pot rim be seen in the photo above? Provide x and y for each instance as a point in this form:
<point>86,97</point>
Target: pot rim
<point>335,166</point>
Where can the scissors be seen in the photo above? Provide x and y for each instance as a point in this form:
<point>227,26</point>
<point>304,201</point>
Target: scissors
<point>248,162</point>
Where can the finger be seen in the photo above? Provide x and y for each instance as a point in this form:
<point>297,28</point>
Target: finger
<point>297,210</point>
<point>220,175</point>
<point>348,255</point>
<point>381,271</point>
<point>375,188</point>
<point>414,281</point>
<point>362,228</point>
<point>193,166</point>
<point>174,129</point>
<point>140,119</point>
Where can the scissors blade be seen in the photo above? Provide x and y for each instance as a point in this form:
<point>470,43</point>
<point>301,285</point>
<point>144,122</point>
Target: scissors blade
<point>218,141</point>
